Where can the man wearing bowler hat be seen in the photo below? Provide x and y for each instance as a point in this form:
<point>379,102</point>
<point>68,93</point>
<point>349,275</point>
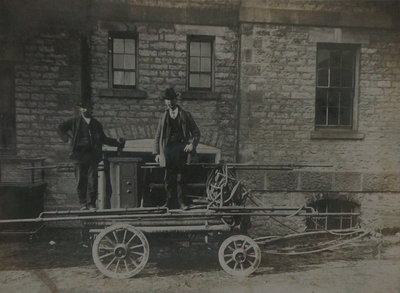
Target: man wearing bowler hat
<point>177,136</point>
<point>87,137</point>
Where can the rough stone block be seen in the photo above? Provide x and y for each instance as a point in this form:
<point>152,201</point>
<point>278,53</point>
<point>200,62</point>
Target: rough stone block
<point>281,180</point>
<point>252,179</point>
<point>381,182</point>
<point>347,181</point>
<point>316,181</point>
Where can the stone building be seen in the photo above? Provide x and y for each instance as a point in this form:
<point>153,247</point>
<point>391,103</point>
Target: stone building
<point>301,83</point>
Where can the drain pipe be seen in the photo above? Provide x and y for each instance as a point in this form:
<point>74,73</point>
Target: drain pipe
<point>237,94</point>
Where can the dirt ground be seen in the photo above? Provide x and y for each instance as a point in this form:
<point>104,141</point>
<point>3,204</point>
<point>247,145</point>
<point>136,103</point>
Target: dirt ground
<point>368,265</point>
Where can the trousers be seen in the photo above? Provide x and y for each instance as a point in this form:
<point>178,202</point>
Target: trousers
<point>87,178</point>
<point>175,162</point>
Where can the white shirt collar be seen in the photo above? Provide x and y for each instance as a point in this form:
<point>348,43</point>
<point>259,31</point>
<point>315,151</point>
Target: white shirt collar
<point>86,119</point>
<point>173,113</point>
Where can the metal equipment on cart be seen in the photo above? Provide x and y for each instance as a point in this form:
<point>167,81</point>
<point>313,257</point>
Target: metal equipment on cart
<point>121,248</point>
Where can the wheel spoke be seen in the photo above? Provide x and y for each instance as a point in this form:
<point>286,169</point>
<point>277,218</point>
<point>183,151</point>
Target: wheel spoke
<point>138,253</point>
<point>129,241</point>
<point>235,244</point>
<point>109,240</point>
<point>136,246</point>
<point>126,265</point>
<point>109,264</point>
<point>230,247</point>
<point>133,261</point>
<point>241,267</point>
<point>123,239</point>
<point>235,266</point>
<point>229,261</point>
<point>116,266</point>
<point>106,255</point>
<point>115,236</point>
<point>106,248</point>
<point>228,255</point>
<point>250,262</point>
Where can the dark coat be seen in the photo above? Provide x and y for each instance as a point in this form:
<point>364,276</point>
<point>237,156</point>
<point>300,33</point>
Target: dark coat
<point>69,130</point>
<point>191,133</point>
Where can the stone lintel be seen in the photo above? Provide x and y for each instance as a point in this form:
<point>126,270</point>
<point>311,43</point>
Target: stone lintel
<point>315,18</point>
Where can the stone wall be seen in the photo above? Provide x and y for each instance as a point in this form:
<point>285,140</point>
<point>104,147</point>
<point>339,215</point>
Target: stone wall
<point>47,85</point>
<point>277,115</point>
<point>278,97</point>
<point>162,61</point>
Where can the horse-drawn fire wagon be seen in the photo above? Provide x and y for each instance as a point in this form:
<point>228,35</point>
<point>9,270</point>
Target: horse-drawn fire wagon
<point>120,246</point>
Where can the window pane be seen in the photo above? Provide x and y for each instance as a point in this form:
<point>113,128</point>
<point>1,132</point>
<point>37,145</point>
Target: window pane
<point>320,116</point>
<point>205,49</point>
<point>347,59</point>
<point>194,48</point>
<point>321,97</point>
<point>333,99</point>
<point>322,77</point>
<point>194,80</point>
<point>346,98</point>
<point>205,81</point>
<point>194,64</point>
<point>118,61</point>
<point>335,77</point>
<point>130,46</point>
<point>118,77</point>
<point>345,116</point>
<point>323,59</point>
<point>335,59</point>
<point>205,64</point>
<point>118,45</point>
<point>347,78</point>
<point>129,62</point>
<point>333,116</point>
<point>129,78</point>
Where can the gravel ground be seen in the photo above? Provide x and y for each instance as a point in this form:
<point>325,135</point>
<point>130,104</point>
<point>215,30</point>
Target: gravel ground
<point>363,266</point>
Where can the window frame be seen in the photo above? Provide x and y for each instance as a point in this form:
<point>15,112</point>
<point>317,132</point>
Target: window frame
<point>354,90</point>
<point>10,148</point>
<point>201,38</point>
<point>327,222</point>
<point>121,35</point>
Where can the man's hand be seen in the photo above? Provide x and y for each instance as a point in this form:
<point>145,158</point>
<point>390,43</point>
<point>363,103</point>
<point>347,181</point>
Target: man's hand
<point>157,159</point>
<point>121,141</point>
<point>188,148</point>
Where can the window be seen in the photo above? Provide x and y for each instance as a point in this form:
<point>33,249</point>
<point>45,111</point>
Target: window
<point>200,68</point>
<point>122,59</point>
<point>7,110</point>
<point>335,90</point>
<point>332,221</point>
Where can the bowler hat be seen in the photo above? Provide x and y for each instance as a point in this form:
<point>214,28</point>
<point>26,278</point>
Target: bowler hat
<point>85,105</point>
<point>169,94</point>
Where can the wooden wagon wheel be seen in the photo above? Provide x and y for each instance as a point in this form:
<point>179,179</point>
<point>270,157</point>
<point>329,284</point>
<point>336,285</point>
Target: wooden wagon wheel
<point>120,251</point>
<point>239,255</point>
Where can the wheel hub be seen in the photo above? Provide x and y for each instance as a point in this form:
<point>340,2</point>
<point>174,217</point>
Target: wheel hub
<point>120,251</point>
<point>239,255</point>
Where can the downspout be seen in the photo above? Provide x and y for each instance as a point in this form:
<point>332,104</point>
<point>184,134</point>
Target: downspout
<point>237,94</point>
<point>85,68</point>
<point>85,54</point>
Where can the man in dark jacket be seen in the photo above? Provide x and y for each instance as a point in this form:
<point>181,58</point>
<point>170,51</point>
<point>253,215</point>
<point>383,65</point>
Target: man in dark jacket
<point>87,137</point>
<point>177,136</point>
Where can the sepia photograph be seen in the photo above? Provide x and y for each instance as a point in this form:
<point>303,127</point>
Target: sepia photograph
<point>199,146</point>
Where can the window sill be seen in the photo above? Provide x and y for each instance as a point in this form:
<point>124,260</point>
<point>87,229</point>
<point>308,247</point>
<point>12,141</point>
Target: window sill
<point>200,95</point>
<point>337,134</point>
<point>122,93</point>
